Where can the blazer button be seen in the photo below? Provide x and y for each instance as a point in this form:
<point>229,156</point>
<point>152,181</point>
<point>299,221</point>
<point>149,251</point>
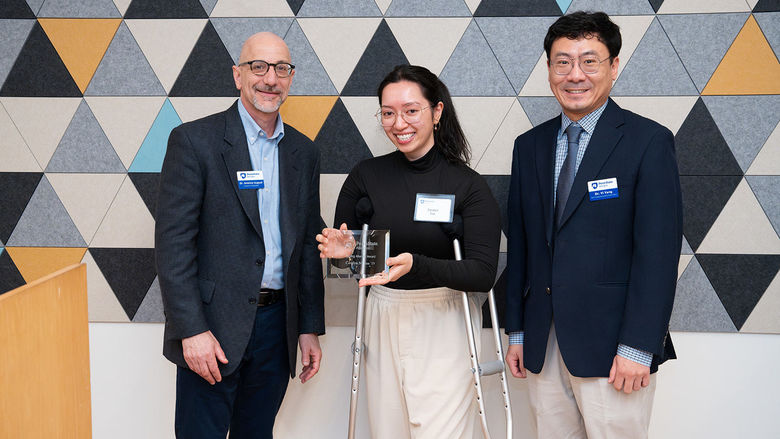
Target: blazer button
<point>252,300</point>
<point>259,261</point>
<point>548,290</point>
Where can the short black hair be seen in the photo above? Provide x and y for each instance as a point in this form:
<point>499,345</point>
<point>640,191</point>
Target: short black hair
<point>583,24</point>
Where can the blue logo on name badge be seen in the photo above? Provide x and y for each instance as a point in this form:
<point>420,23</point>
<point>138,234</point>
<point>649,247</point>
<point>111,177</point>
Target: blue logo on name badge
<point>594,185</point>
<point>250,179</point>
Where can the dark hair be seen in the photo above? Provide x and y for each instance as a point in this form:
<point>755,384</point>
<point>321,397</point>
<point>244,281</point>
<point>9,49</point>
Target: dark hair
<point>583,24</point>
<point>449,137</point>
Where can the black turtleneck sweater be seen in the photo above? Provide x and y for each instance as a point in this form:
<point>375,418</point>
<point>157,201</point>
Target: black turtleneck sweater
<point>392,183</point>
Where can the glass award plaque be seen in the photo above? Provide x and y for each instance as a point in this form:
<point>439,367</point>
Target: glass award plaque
<point>348,245</point>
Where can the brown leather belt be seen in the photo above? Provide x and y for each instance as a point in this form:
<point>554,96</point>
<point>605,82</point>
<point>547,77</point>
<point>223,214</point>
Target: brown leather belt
<point>268,297</point>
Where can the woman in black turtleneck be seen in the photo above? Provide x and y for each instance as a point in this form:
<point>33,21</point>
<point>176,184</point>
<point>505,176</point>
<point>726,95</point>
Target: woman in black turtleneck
<point>417,375</point>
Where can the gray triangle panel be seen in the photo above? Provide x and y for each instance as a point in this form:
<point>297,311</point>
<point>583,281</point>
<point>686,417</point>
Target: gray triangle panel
<point>740,280</point>
<point>35,5</point>
<point>208,5</point>
<point>701,40</point>
<point>84,147</point>
<point>381,55</point>
<point>745,122</point>
<point>163,9</point>
<point>124,70</point>
<point>311,79</point>
<point>151,308</point>
<point>473,70</point>
<point>703,199</point>
<point>130,273</point>
<point>339,8</point>
<point>696,304</point>
<point>770,26</point>
<point>504,8</point>
<point>686,248</point>
<point>16,189</point>
<point>341,145</point>
<point>234,31</point>
<point>31,77</point>
<point>701,148</point>
<point>654,69</point>
<point>13,34</point>
<point>45,222</point>
<point>540,109</point>
<point>428,8</point>
<point>10,278</point>
<point>79,9</point>
<point>208,70</point>
<point>613,7</point>
<point>767,190</point>
<point>517,43</point>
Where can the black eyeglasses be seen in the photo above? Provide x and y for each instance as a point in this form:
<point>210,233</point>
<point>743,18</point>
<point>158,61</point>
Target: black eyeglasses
<point>260,67</point>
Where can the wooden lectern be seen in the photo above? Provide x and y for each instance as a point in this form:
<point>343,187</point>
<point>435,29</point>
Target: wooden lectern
<point>44,358</point>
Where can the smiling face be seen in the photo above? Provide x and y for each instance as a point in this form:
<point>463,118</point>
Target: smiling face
<point>412,139</point>
<point>579,93</point>
<point>264,93</point>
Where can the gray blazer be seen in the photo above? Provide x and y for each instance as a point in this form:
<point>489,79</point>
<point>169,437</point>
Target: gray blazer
<point>209,243</point>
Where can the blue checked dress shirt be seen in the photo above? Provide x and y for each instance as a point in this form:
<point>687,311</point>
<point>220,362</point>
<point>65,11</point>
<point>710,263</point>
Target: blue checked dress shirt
<point>264,154</point>
<point>588,124</point>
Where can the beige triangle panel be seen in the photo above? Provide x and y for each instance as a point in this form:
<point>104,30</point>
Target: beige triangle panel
<point>480,118</point>
<point>127,223</point>
<point>15,156</point>
<point>764,317</point>
<point>497,158</point>
<point>441,36</point>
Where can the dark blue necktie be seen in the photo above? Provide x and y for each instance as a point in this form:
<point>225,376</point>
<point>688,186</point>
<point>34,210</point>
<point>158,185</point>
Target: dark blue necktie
<point>568,170</point>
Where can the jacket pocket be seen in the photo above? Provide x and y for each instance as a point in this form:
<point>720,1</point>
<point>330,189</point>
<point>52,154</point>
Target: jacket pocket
<point>206,288</point>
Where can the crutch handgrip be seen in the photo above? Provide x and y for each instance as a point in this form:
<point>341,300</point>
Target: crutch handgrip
<point>491,368</point>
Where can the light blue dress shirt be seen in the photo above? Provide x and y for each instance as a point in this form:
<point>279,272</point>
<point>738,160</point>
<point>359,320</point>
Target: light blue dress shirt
<point>588,124</point>
<point>264,154</point>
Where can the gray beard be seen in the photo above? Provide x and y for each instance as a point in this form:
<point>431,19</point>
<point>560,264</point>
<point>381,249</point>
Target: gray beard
<point>266,107</point>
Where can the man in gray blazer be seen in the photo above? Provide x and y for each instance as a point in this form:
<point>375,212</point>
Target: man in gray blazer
<point>239,270</point>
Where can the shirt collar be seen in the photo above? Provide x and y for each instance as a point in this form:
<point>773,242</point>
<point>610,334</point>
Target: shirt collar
<point>253,130</point>
<point>588,122</point>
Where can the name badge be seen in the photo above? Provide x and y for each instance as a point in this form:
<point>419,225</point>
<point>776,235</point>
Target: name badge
<point>434,208</point>
<point>603,189</point>
<point>250,179</point>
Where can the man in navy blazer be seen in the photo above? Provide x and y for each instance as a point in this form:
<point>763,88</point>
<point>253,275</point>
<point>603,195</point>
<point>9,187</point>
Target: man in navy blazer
<point>595,229</point>
<point>239,269</point>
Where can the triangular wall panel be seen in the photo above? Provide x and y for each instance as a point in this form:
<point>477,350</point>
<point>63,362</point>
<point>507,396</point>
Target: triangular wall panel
<point>696,304</point>
<point>127,223</point>
<point>503,8</point>
<point>15,9</point>
<point>429,8</point>
<point>770,27</point>
<point>151,309</point>
<point>632,30</point>
<point>701,149</point>
<point>152,152</point>
<point>36,262</point>
<point>763,318</point>
<point>767,162</point>
<point>339,8</point>
<point>381,55</point>
<point>252,8</point>
<point>669,111</point>
<point>703,200</point>
<point>310,76</point>
<point>540,109</point>
<point>164,9</point>
<point>191,108</point>
<point>766,189</point>
<point>613,7</point>
<point>147,184</point>
<point>16,189</point>
<point>10,277</point>
<point>307,114</point>
<point>703,6</point>
<point>234,31</point>
<point>103,304</point>
<point>129,271</point>
<point>208,70</point>
<point>14,34</point>
<point>79,9</point>
<point>480,118</point>
<point>441,36</point>
<point>496,158</point>
<point>341,145</point>
<point>15,156</point>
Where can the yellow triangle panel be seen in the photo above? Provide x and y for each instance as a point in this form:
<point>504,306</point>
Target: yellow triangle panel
<point>748,68</point>
<point>81,43</point>
<point>307,114</point>
<point>37,262</point>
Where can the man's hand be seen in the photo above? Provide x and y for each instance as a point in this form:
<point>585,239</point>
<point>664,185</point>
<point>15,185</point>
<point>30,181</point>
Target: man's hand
<point>336,244</point>
<point>399,266</point>
<point>627,375</point>
<point>514,359</point>
<point>201,353</point>
<point>311,355</point>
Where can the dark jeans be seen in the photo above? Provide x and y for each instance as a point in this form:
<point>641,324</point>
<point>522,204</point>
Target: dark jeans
<point>246,401</point>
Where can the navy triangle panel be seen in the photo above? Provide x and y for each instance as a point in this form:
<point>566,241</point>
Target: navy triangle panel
<point>16,189</point>
<point>10,277</point>
<point>129,271</point>
<point>526,8</point>
<point>39,70</point>
<point>656,4</point>
<point>499,186</point>
<point>701,148</point>
<point>739,280</point>
<point>341,145</point>
<point>295,5</point>
<point>158,9</point>
<point>767,6</point>
<point>208,70</point>
<point>703,199</point>
<point>15,9</point>
<point>381,55</point>
<point>147,184</point>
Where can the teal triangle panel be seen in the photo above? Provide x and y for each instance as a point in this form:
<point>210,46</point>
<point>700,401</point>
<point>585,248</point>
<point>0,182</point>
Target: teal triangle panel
<point>152,152</point>
<point>208,70</point>
<point>381,55</point>
<point>30,76</point>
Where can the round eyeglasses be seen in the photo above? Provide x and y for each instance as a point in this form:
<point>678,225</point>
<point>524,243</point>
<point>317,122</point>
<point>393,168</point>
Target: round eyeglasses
<point>410,114</point>
<point>260,67</point>
<point>588,64</point>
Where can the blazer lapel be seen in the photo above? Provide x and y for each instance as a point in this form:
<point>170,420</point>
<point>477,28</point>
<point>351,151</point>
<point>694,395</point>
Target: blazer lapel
<point>289,186</point>
<point>545,161</point>
<point>236,157</point>
<point>605,137</point>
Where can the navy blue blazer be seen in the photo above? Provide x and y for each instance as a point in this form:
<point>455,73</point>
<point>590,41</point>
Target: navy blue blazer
<point>608,274</point>
<point>209,242</point>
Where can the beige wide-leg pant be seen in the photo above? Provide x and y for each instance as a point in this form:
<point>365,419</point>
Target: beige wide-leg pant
<point>417,368</point>
<point>566,406</point>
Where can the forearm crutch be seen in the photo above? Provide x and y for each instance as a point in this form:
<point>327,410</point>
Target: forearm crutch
<point>478,369</point>
<point>363,210</point>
